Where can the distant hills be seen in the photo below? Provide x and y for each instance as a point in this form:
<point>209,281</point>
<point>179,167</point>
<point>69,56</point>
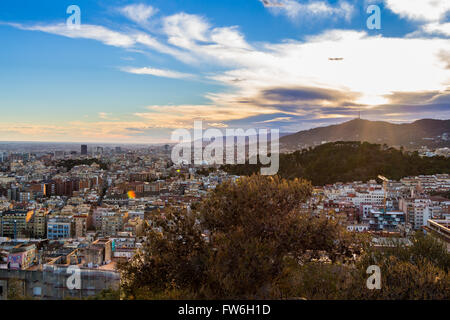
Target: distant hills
<point>427,132</point>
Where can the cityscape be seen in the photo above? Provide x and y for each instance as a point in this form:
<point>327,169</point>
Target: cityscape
<point>281,150</point>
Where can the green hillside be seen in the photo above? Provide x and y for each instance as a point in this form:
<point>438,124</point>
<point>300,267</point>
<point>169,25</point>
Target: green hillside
<point>349,161</point>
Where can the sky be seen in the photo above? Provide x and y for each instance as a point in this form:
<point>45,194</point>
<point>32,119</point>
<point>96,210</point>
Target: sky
<point>134,71</point>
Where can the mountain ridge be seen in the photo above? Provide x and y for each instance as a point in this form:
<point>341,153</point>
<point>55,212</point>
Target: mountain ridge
<point>432,133</point>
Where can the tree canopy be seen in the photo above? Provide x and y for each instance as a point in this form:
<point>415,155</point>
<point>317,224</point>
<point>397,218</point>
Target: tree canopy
<point>349,161</point>
<point>254,239</point>
<point>238,243</point>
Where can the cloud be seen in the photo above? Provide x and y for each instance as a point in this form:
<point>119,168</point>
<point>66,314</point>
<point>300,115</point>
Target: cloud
<point>194,34</point>
<point>157,72</point>
<point>419,10</point>
<point>218,125</point>
<point>322,9</point>
<point>373,67</point>
<point>445,58</point>
<point>106,116</point>
<point>103,115</point>
<point>129,39</point>
<point>307,95</point>
<point>183,30</point>
<point>139,13</point>
<point>183,116</point>
<point>86,31</point>
<point>292,79</point>
<point>279,119</point>
<point>437,28</point>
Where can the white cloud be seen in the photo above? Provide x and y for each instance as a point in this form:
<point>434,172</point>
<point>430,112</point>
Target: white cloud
<point>421,10</point>
<point>184,29</point>
<point>278,119</point>
<point>157,72</point>
<point>437,28</point>
<point>86,31</point>
<point>372,68</point>
<point>109,37</point>
<point>106,116</point>
<point>322,9</point>
<point>139,13</point>
<point>194,34</point>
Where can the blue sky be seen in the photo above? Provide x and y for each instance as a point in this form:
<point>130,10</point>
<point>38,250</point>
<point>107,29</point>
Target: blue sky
<point>136,70</point>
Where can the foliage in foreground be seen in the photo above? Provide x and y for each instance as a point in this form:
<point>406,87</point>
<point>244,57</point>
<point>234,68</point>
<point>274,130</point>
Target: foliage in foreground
<point>253,240</point>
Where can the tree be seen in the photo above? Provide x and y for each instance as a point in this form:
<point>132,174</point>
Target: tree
<point>236,245</point>
<point>349,161</point>
<point>252,239</point>
<point>173,258</point>
<point>416,271</point>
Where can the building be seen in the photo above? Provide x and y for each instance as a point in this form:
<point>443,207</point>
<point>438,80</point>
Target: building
<point>21,257</point>
<point>98,253</point>
<point>417,211</point>
<point>80,225</point>
<point>36,224</point>
<point>59,228</point>
<point>112,223</point>
<point>83,149</point>
<point>390,221</point>
<point>97,217</point>
<point>441,228</point>
<point>50,283</point>
<point>13,223</point>
<point>134,226</point>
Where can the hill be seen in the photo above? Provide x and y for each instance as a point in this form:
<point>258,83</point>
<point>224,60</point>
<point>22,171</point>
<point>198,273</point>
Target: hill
<point>427,132</point>
<point>350,161</point>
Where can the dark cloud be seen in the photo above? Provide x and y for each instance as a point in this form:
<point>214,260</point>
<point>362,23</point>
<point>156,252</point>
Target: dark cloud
<point>307,94</point>
<point>301,94</point>
<point>307,107</point>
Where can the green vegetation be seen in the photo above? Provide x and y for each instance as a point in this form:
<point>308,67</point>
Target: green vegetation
<point>106,294</point>
<point>69,164</point>
<point>205,171</point>
<point>252,240</point>
<point>349,161</point>
<point>253,227</point>
<point>445,194</point>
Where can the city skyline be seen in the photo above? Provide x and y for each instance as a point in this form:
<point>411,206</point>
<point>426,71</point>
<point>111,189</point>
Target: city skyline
<point>136,70</point>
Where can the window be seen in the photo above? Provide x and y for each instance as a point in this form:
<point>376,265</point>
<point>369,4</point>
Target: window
<point>37,291</point>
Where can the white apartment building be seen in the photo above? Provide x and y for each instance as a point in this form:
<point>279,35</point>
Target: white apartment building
<point>417,211</point>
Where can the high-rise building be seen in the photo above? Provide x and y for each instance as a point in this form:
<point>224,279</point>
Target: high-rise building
<point>83,149</point>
